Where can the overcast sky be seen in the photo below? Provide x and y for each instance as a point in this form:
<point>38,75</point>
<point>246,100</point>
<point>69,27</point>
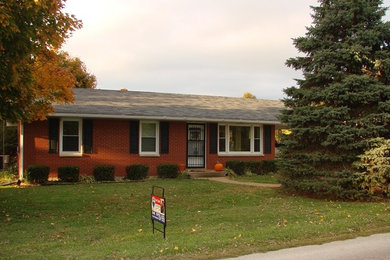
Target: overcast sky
<point>211,47</point>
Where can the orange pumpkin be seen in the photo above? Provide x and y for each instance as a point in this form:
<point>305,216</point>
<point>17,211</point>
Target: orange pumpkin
<point>218,167</point>
<point>182,167</point>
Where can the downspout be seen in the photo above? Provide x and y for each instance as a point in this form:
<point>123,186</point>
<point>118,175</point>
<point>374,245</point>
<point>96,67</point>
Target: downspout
<point>21,151</point>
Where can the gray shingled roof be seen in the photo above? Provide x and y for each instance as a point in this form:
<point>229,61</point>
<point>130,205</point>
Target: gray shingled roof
<point>149,105</point>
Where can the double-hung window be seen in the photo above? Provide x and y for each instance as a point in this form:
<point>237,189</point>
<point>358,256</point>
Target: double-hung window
<point>222,138</point>
<point>235,139</point>
<point>149,141</point>
<point>70,137</point>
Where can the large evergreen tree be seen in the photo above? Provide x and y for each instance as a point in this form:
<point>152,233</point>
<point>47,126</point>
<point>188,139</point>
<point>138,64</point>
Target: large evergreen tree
<point>342,102</point>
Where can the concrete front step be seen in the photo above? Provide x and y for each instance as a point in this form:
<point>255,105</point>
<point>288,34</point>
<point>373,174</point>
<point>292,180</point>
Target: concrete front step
<point>201,173</point>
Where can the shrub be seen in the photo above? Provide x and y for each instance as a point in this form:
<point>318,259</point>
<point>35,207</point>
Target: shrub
<point>268,166</point>
<point>104,172</point>
<point>261,167</point>
<point>373,174</point>
<point>254,167</point>
<point>7,176</point>
<point>168,170</point>
<point>37,173</point>
<point>69,173</point>
<point>238,167</point>
<point>137,171</point>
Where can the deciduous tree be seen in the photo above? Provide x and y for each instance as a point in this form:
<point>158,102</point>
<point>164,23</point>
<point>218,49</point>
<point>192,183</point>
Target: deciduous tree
<point>342,102</point>
<point>30,33</point>
<point>248,95</point>
<point>83,78</point>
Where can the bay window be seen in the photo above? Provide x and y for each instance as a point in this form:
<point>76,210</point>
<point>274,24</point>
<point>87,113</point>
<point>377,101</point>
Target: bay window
<point>239,139</point>
<point>234,139</point>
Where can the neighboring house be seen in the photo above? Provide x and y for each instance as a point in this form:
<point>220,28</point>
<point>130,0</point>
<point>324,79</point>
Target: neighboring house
<point>127,127</point>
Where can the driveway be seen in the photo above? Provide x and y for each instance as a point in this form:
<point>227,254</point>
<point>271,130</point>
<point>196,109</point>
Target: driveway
<point>362,248</point>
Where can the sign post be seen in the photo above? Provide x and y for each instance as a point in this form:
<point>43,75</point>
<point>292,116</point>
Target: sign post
<point>158,209</point>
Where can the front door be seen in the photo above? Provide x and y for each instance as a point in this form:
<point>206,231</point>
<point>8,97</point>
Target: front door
<point>195,146</point>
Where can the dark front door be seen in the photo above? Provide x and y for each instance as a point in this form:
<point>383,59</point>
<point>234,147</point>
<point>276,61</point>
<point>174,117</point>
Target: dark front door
<point>195,146</point>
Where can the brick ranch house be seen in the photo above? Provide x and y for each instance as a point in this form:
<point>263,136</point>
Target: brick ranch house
<point>127,127</point>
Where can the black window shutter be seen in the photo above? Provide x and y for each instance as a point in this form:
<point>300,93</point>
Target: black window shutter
<point>164,137</point>
<point>134,136</point>
<point>53,134</point>
<point>267,139</point>
<point>213,138</point>
<point>87,135</point>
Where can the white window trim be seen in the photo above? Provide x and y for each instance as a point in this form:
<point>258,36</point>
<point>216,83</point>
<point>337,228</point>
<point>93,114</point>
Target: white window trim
<point>79,153</point>
<point>252,141</point>
<point>157,151</point>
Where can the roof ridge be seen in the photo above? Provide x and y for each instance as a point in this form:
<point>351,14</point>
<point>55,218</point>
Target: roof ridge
<point>177,94</point>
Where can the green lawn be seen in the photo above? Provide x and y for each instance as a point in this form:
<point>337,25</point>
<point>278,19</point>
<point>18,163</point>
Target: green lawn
<point>205,220</point>
<point>266,178</point>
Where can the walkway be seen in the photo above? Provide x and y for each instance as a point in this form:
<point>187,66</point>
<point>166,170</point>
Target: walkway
<point>362,248</point>
<point>255,184</point>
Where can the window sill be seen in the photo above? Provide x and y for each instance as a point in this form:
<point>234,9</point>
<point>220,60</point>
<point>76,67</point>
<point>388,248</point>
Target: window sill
<point>70,154</point>
<point>149,154</point>
<point>240,154</point>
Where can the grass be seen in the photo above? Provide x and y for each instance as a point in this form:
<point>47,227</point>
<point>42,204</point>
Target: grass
<point>206,220</point>
<point>266,178</point>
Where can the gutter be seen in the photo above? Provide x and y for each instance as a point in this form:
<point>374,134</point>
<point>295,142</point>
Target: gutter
<point>168,118</point>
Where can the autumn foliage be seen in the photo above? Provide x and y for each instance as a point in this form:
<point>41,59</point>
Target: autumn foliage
<point>31,79</point>
<point>248,95</point>
<point>53,83</point>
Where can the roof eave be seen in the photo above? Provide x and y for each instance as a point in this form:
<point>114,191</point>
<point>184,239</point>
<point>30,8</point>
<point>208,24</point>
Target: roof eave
<point>168,118</point>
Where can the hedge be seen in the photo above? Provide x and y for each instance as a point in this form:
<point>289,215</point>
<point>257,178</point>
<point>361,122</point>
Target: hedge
<point>137,171</point>
<point>269,166</point>
<point>168,170</point>
<point>104,172</point>
<point>37,173</point>
<point>69,173</point>
<point>238,167</point>
<point>254,167</point>
<point>257,167</point>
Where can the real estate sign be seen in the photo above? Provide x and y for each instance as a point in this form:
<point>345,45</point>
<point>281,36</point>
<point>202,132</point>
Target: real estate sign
<point>158,209</point>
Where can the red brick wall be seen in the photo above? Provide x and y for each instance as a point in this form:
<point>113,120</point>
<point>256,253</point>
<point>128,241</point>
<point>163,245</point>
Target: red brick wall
<point>111,146</point>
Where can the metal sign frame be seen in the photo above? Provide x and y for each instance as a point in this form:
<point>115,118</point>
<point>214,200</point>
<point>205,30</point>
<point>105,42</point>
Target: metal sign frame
<point>158,209</point>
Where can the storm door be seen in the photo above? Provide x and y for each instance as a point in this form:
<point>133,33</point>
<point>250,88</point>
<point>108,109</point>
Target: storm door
<point>195,146</point>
